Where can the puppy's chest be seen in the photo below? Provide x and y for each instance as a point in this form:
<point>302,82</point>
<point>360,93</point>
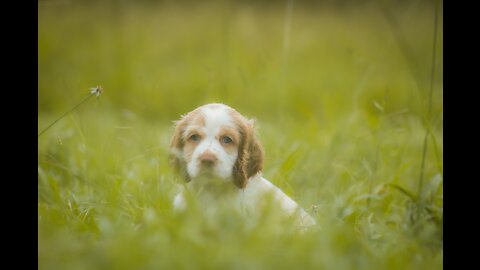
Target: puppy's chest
<point>211,190</point>
<point>221,195</point>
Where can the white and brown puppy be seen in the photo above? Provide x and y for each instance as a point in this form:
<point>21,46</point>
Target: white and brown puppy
<point>215,150</point>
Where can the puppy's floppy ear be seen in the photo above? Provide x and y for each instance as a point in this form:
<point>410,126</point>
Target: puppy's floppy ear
<point>250,155</point>
<point>176,146</point>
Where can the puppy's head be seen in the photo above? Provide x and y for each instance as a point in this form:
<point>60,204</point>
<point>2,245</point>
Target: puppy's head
<point>215,141</point>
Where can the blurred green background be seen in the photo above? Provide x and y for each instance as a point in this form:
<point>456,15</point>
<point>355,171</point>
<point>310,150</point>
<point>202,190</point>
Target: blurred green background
<point>341,94</point>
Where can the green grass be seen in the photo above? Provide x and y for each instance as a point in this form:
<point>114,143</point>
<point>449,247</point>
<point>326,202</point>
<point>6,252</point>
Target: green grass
<point>340,110</point>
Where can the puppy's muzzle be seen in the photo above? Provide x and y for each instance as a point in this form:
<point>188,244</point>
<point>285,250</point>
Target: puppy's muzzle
<point>208,159</point>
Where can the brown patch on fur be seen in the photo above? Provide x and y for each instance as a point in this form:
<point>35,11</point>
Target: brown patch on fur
<point>177,142</point>
<point>190,145</point>
<point>250,152</point>
<point>199,120</point>
<point>234,134</point>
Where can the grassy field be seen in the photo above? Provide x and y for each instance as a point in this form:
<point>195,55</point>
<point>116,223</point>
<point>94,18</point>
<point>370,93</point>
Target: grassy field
<point>341,96</point>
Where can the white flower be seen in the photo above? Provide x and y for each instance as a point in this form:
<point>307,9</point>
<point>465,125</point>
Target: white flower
<point>96,90</point>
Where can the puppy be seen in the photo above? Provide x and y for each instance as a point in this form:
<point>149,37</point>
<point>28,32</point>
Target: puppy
<point>215,150</point>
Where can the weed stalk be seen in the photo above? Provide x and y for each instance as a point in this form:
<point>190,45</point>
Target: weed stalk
<point>94,91</point>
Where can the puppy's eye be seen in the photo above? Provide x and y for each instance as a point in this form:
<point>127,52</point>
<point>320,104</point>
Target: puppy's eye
<point>195,137</point>
<point>226,139</point>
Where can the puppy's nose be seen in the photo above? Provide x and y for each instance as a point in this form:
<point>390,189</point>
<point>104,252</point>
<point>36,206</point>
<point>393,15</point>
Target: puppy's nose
<point>208,158</point>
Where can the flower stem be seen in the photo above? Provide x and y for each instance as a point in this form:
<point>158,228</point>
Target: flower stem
<point>65,114</point>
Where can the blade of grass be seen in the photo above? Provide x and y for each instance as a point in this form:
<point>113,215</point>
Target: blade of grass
<point>404,191</point>
<point>432,78</point>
